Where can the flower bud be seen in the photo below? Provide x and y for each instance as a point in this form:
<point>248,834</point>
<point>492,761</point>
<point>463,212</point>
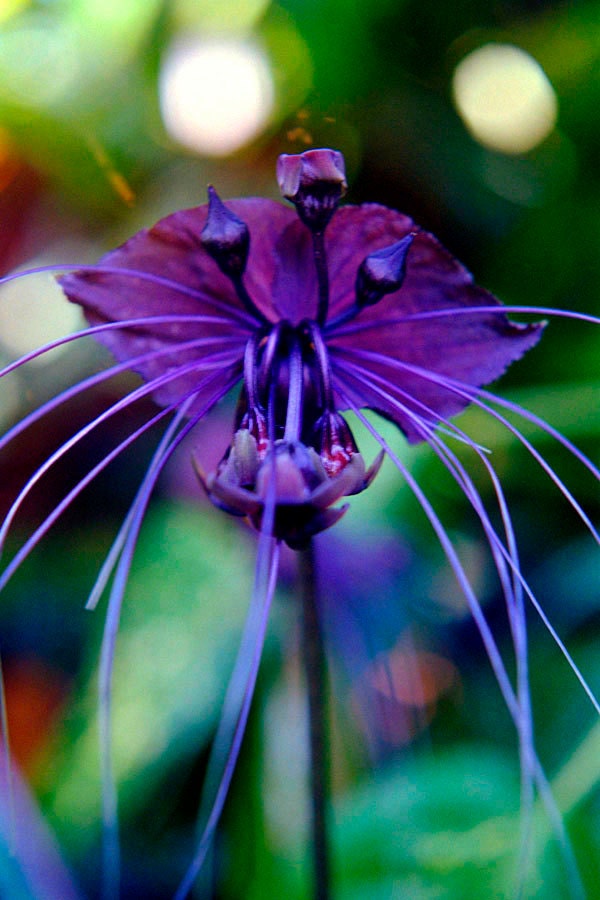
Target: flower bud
<point>241,462</point>
<point>334,442</point>
<point>297,470</point>
<point>291,476</point>
<point>314,181</point>
<point>382,272</point>
<point>225,237</point>
<point>231,487</point>
<point>255,422</point>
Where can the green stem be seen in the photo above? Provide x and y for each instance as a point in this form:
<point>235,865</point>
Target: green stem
<point>315,670</point>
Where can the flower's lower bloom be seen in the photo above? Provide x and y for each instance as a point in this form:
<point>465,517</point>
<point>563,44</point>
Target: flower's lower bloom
<point>315,311</point>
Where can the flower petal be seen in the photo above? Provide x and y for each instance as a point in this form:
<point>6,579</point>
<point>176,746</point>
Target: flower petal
<point>474,349</point>
<point>168,272</point>
<point>295,283</point>
<point>354,233</point>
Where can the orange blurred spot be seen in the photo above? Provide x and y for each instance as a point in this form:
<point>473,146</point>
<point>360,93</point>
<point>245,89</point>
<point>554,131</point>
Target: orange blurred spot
<point>412,677</point>
<point>300,134</point>
<point>397,694</point>
<point>34,698</point>
<point>121,187</point>
<point>117,181</point>
<point>9,162</point>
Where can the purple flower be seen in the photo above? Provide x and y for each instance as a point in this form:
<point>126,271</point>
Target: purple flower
<point>309,340</point>
<point>316,311</point>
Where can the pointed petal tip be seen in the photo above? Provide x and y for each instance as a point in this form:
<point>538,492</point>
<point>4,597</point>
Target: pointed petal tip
<point>374,468</point>
<point>325,519</point>
<point>200,474</point>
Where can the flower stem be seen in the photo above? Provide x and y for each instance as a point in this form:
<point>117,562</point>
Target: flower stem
<point>315,671</point>
<point>322,275</point>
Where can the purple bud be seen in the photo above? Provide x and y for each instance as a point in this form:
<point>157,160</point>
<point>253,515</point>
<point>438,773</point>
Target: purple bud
<point>314,181</point>
<point>382,272</point>
<point>225,237</point>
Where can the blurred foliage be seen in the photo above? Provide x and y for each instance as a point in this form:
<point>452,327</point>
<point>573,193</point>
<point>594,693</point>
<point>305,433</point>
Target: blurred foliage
<point>426,797</point>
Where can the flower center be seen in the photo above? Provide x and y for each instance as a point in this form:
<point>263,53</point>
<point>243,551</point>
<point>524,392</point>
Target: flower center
<point>287,378</point>
<point>290,445</point>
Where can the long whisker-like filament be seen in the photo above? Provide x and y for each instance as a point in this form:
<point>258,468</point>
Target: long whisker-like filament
<point>117,407</point>
<point>152,473</point>
<point>237,703</point>
<point>58,510</point>
<point>146,322</point>
<point>126,542</point>
<point>110,845</point>
<point>390,321</point>
<point>535,602</point>
<point>471,394</point>
<point>512,589</point>
<point>512,700</point>
<point>160,280</point>
<point>449,551</point>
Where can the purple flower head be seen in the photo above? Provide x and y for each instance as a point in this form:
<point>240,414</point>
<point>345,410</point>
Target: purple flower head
<point>263,298</point>
<point>314,181</point>
<point>312,311</point>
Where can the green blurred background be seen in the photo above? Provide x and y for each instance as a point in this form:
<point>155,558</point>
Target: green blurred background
<point>113,114</point>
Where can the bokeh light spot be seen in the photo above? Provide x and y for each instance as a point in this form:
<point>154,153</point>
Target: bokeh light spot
<point>504,98</point>
<point>28,54</point>
<point>215,95</point>
<point>10,8</point>
<point>33,311</point>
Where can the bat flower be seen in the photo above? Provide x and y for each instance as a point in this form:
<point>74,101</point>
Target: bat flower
<point>267,296</point>
<point>314,310</point>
